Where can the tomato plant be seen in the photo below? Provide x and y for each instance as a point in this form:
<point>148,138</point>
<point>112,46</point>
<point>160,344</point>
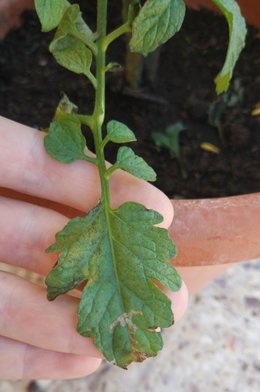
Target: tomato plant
<point>118,253</point>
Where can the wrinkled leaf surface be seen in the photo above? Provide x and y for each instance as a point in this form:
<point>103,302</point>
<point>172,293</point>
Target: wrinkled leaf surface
<point>120,254</point>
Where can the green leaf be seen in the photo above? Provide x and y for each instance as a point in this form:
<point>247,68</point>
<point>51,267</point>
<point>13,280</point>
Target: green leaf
<point>72,54</point>
<point>65,143</point>
<point>118,132</point>
<point>127,160</point>
<point>72,24</point>
<point>131,10</point>
<point>114,67</point>
<point>66,106</point>
<point>237,35</point>
<point>64,112</point>
<point>170,139</point>
<point>156,23</point>
<point>73,43</point>
<point>119,253</point>
<point>50,12</point>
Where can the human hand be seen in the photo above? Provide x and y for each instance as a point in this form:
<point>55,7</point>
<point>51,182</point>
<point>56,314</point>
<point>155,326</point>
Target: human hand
<point>38,339</point>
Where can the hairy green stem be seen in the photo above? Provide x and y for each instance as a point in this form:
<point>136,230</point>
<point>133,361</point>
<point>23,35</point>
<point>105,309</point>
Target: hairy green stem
<point>99,110</point>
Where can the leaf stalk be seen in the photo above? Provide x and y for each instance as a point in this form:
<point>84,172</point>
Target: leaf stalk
<point>111,37</point>
<point>110,171</point>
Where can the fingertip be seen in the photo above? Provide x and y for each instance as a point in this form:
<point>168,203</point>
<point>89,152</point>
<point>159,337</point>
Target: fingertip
<point>165,207</point>
<point>84,366</point>
<point>180,300</point>
<point>126,187</point>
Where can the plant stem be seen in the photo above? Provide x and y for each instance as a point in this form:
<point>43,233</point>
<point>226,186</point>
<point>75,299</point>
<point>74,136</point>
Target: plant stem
<point>99,110</point>
<point>92,80</point>
<point>111,170</point>
<point>84,119</point>
<point>125,28</point>
<point>90,159</point>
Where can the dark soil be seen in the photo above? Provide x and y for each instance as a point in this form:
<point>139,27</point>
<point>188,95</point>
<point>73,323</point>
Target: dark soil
<point>31,85</point>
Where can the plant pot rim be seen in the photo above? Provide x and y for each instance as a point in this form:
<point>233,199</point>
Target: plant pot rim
<point>216,231</point>
<point>10,11</point>
<point>250,9</point>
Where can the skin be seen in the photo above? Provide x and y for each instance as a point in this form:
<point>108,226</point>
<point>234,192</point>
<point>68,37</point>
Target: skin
<point>37,195</point>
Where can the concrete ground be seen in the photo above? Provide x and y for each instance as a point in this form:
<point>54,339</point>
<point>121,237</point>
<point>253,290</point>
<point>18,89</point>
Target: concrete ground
<point>215,348</point>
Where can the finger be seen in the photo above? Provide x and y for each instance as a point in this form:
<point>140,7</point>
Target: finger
<point>180,301</point>
<point>20,361</point>
<point>26,231</point>
<point>25,167</point>
<point>28,317</point>
<point>52,205</point>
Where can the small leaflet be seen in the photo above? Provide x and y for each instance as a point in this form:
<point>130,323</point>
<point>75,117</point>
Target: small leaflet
<point>156,23</point>
<point>119,133</point>
<point>72,54</point>
<point>73,24</point>
<point>170,139</point>
<point>237,36</point>
<point>73,44</point>
<point>127,160</point>
<point>50,12</point>
<point>65,143</point>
